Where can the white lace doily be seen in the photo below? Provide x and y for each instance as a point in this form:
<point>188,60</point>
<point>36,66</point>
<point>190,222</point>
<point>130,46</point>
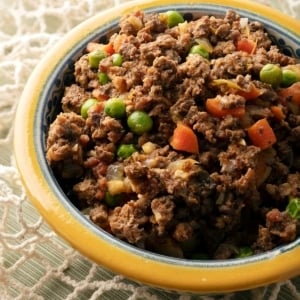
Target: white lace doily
<point>34,262</point>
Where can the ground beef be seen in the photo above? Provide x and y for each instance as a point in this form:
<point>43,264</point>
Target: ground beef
<point>223,48</point>
<point>212,202</point>
<point>127,222</point>
<point>232,65</point>
<point>99,215</point>
<point>162,209</point>
<point>84,75</point>
<point>183,232</point>
<point>279,228</point>
<point>90,190</point>
<point>73,98</point>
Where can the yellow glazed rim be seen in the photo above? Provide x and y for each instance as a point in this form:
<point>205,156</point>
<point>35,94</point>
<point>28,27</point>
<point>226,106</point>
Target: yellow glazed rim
<point>142,266</point>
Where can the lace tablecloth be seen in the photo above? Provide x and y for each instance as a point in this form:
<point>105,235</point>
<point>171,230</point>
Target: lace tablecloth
<point>34,262</point>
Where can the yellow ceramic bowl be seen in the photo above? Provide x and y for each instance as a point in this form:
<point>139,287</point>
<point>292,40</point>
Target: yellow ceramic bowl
<point>36,110</point>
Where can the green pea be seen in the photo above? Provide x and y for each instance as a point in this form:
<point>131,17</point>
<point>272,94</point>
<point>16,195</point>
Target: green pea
<point>95,57</point>
<point>117,59</point>
<point>103,78</point>
<point>86,106</point>
<point>271,74</point>
<point>245,252</point>
<point>200,50</point>
<point>174,18</point>
<point>125,150</point>
<point>293,208</point>
<point>112,200</point>
<point>139,122</point>
<point>115,107</point>
<point>289,77</point>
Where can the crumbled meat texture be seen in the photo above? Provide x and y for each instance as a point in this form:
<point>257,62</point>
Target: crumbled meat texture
<point>232,65</point>
<point>162,72</point>
<point>84,75</point>
<point>99,215</point>
<point>281,224</point>
<point>183,232</point>
<point>73,98</point>
<point>103,127</point>
<point>279,228</point>
<point>127,222</point>
<point>162,209</point>
<point>65,143</point>
<point>223,48</point>
<point>225,251</point>
<point>229,195</point>
<point>90,190</point>
<point>143,179</point>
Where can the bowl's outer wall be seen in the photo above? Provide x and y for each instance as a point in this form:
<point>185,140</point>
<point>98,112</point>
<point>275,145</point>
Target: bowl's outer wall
<point>36,111</point>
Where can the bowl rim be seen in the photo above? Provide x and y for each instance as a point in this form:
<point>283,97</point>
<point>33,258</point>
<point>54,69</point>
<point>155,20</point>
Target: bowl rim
<point>203,277</point>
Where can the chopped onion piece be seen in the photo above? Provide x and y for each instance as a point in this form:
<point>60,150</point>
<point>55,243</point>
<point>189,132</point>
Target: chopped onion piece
<point>244,22</point>
<point>115,172</point>
<point>205,43</point>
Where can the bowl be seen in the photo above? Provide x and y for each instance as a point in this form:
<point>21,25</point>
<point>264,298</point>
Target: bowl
<point>37,109</point>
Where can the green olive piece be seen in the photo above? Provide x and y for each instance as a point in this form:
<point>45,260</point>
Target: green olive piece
<point>115,107</point>
<point>86,106</point>
<point>271,74</point>
<point>125,150</point>
<point>245,252</point>
<point>200,50</point>
<point>117,59</point>
<point>289,77</point>
<point>112,200</point>
<point>103,78</point>
<point>139,122</point>
<point>174,18</point>
<point>95,57</point>
<point>293,208</point>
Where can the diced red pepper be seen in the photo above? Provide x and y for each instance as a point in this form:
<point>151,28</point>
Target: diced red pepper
<point>246,45</point>
<point>109,49</point>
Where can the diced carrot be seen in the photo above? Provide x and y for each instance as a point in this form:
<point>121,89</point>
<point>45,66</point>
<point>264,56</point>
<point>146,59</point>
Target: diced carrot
<point>261,134</point>
<point>291,93</point>
<point>109,49</point>
<point>184,139</point>
<point>215,108</point>
<point>252,94</point>
<point>246,45</point>
<point>277,112</point>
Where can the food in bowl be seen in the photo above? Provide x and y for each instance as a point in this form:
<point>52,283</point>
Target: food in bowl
<point>181,136</point>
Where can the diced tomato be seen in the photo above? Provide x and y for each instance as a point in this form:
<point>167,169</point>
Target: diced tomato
<point>277,112</point>
<point>291,93</point>
<point>252,94</point>
<point>100,97</point>
<point>215,108</point>
<point>109,49</point>
<point>261,134</point>
<point>99,107</point>
<point>184,139</point>
<point>246,45</point>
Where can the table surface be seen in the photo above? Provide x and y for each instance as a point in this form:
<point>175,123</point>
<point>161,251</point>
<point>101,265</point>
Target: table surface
<point>34,262</point>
